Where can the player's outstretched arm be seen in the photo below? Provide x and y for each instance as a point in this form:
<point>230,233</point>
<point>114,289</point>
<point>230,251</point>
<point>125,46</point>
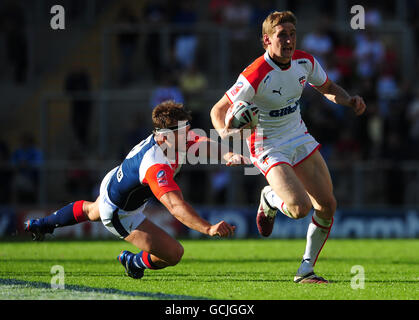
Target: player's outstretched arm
<point>183,211</point>
<point>337,94</point>
<point>218,115</point>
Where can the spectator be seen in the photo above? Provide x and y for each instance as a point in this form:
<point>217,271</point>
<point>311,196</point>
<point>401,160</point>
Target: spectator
<point>167,89</point>
<point>216,8</point>
<point>373,17</point>
<point>186,41</point>
<point>345,60</point>
<point>127,44</point>
<point>193,84</point>
<point>76,83</point>
<point>236,17</point>
<point>26,160</point>
<point>387,90</point>
<point>369,52</point>
<point>318,43</point>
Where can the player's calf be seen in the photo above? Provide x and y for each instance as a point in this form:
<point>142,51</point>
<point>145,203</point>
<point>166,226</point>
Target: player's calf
<point>68,215</point>
<point>326,209</point>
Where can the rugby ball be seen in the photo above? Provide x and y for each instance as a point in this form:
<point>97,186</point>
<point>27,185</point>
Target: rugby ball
<point>242,113</point>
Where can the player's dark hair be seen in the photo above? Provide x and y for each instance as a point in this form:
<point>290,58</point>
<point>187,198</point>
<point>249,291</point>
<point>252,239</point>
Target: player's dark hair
<point>275,18</point>
<point>168,113</point>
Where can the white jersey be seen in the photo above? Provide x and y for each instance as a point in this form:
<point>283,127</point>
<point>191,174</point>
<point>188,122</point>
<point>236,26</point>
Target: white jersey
<point>284,137</point>
<point>277,92</point>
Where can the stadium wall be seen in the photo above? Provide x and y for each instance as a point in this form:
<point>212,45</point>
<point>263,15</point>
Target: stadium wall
<point>348,223</point>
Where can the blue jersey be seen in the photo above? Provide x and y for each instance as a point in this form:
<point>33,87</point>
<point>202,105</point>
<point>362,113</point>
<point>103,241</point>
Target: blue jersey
<point>145,172</point>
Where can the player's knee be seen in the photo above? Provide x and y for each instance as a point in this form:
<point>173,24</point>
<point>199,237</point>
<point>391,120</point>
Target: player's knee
<point>176,255</point>
<point>300,210</point>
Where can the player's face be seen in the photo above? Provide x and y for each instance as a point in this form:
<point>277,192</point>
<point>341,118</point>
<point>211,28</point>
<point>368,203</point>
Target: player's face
<point>181,136</point>
<point>175,141</point>
<point>282,43</point>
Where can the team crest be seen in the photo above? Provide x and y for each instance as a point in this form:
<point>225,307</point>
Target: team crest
<point>302,81</point>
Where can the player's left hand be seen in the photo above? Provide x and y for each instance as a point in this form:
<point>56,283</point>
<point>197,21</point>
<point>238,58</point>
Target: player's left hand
<point>358,104</point>
<point>237,159</point>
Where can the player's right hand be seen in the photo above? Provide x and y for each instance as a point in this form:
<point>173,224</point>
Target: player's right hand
<point>222,229</point>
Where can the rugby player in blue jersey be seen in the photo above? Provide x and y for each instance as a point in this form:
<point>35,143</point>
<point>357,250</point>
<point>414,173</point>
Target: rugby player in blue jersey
<point>126,191</point>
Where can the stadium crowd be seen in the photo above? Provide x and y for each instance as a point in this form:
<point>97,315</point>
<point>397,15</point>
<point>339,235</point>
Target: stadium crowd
<point>366,62</point>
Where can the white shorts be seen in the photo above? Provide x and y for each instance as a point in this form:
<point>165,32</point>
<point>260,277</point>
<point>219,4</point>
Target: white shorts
<point>266,153</point>
<point>121,223</point>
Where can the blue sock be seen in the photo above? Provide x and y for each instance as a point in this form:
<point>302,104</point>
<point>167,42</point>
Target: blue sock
<point>143,260</point>
<point>66,216</point>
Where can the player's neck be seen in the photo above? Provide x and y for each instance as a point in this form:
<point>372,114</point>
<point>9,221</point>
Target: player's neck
<point>281,63</point>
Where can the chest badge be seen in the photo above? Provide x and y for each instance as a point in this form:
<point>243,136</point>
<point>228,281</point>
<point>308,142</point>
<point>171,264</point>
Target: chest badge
<point>302,81</point>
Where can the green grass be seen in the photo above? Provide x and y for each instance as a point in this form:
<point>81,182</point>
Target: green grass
<point>212,269</point>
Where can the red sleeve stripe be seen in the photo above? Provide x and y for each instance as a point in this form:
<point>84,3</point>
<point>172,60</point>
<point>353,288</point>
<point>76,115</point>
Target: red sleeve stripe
<point>229,98</point>
<point>327,78</point>
<point>257,71</point>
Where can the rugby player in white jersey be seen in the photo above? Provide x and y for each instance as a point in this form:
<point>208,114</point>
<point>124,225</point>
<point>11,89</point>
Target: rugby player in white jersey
<point>281,147</point>
<point>126,192</point>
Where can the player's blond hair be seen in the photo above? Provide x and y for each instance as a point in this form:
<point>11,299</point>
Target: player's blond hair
<point>275,18</point>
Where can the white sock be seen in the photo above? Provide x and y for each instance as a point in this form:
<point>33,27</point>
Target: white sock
<point>276,202</point>
<point>317,234</point>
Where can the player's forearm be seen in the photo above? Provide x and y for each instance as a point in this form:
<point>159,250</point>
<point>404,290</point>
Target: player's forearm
<point>217,118</point>
<point>337,94</point>
<point>188,216</point>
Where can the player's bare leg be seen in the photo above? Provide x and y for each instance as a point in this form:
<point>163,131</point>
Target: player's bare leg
<point>73,213</point>
<point>315,176</point>
<point>285,193</point>
<point>158,250</point>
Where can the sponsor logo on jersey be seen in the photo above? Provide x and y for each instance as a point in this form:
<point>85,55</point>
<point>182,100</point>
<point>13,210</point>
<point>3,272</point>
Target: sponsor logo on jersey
<point>161,174</point>
<point>119,174</point>
<point>277,91</point>
<point>161,178</point>
<point>236,88</point>
<point>284,111</point>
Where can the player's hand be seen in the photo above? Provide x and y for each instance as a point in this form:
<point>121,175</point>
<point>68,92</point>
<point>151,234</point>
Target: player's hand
<point>358,104</point>
<point>237,159</point>
<point>228,131</point>
<point>222,229</point>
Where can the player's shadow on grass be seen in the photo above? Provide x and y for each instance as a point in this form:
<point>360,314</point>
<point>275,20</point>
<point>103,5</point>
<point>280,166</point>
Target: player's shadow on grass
<point>151,295</point>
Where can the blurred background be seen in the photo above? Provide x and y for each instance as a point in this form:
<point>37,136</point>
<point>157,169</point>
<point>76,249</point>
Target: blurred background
<point>75,101</point>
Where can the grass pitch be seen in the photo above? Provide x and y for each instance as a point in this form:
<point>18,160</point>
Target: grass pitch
<point>255,269</point>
